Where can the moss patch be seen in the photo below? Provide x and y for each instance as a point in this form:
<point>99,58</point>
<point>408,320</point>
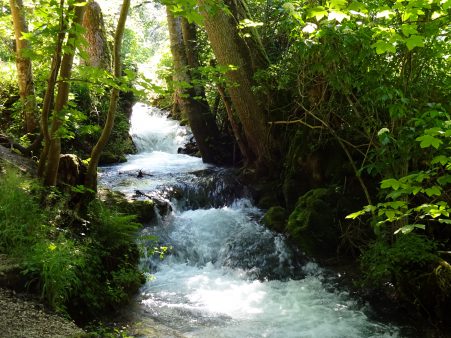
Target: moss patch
<point>276,218</point>
<point>311,224</point>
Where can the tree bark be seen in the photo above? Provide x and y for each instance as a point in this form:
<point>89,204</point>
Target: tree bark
<point>192,100</point>
<point>230,48</point>
<point>54,152</point>
<point>24,69</point>
<point>98,50</point>
<point>244,149</point>
<point>91,175</point>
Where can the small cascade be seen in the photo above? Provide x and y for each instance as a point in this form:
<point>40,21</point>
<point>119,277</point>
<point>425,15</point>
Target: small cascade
<point>225,275</point>
<point>151,130</point>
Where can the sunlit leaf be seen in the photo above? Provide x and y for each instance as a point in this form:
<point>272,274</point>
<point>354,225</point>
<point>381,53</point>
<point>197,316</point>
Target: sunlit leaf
<point>415,41</point>
<point>317,12</point>
<point>337,15</point>
<point>384,47</point>
<point>390,183</point>
<point>409,228</point>
<point>427,141</point>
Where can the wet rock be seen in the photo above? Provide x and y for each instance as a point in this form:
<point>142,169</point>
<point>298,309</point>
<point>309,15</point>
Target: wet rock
<point>189,148</point>
<point>111,158</point>
<point>162,204</point>
<point>143,209</point>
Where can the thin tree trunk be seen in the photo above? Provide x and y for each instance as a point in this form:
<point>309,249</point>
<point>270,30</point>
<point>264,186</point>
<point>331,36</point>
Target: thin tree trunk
<point>50,92</point>
<point>244,149</point>
<point>24,69</point>
<point>54,152</point>
<point>91,176</point>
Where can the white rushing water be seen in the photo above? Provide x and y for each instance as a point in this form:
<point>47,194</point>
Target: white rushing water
<point>226,275</point>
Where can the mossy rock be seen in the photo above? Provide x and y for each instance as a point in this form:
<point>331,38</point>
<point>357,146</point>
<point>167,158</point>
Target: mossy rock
<point>110,158</point>
<point>276,218</point>
<point>312,223</point>
<point>143,209</point>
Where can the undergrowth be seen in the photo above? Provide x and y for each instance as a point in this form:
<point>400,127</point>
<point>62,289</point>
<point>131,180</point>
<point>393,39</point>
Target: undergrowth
<point>85,269</point>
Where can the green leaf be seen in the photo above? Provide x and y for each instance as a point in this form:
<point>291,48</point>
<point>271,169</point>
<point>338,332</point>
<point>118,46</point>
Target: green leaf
<point>433,191</point>
<point>339,4</point>
<point>390,183</point>
<point>337,15</point>
<point>396,204</point>
<point>409,227</point>
<point>415,41</point>
<point>356,214</point>
<point>442,159</point>
<point>409,29</point>
<point>383,47</point>
<point>317,12</point>
<point>390,214</point>
<point>428,140</point>
<point>444,180</point>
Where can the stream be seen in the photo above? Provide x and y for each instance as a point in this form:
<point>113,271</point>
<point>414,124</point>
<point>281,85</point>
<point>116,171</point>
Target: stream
<point>224,275</point>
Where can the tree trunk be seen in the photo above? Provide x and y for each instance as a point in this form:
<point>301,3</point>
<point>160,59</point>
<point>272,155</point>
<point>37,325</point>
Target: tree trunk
<point>24,70</point>
<point>50,92</point>
<point>192,100</point>
<point>244,149</point>
<point>91,175</point>
<point>247,55</point>
<point>54,152</point>
<point>98,51</point>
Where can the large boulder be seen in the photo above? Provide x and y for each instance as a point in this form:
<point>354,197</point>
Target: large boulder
<point>312,224</point>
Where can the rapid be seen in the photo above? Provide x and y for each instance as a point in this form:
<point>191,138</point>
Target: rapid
<point>224,274</point>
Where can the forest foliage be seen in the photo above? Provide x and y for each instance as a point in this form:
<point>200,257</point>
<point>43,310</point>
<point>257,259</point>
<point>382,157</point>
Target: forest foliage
<point>351,96</point>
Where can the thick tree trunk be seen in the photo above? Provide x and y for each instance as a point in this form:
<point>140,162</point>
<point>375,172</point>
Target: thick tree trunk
<point>230,48</point>
<point>24,70</point>
<point>98,50</point>
<point>192,101</point>
<point>91,175</point>
<point>54,152</point>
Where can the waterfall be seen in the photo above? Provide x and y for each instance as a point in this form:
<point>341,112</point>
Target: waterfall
<point>226,275</point>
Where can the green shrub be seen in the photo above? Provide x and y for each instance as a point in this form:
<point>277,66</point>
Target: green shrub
<point>400,263</point>
<point>58,264</point>
<point>112,274</point>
